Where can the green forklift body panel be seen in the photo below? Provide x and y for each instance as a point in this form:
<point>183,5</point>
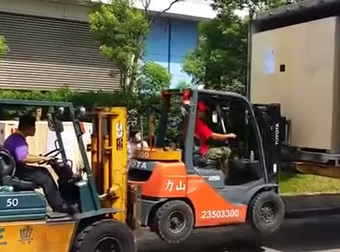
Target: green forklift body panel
<point>19,206</point>
<point>88,201</point>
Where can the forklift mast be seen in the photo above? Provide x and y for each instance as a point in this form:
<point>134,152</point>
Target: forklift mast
<point>273,131</point>
<point>109,157</point>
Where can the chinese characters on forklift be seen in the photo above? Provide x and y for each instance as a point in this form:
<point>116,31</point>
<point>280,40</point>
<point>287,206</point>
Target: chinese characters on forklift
<point>119,136</point>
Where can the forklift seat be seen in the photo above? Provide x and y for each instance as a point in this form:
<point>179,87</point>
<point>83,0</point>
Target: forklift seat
<point>7,173</point>
<point>202,162</point>
<point>199,160</point>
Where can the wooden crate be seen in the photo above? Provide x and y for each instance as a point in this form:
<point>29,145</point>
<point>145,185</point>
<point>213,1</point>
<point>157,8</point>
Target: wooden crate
<point>298,67</point>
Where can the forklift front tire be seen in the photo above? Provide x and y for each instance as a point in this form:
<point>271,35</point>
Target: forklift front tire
<point>266,212</point>
<point>105,235</point>
<point>174,221</point>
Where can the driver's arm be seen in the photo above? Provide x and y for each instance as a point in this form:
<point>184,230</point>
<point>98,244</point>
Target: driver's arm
<point>204,132</point>
<point>23,156</point>
<point>32,159</point>
<point>222,137</point>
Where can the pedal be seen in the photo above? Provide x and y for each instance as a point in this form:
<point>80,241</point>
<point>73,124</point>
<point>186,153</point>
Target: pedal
<point>55,215</point>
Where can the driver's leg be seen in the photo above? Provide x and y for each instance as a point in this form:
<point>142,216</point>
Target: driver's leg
<point>42,177</point>
<point>226,153</point>
<point>222,154</point>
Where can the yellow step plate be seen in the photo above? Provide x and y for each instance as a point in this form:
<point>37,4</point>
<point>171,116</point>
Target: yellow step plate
<point>158,154</point>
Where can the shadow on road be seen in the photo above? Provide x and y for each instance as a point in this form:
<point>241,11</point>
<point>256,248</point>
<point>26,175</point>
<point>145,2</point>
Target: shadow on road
<point>233,239</point>
<point>312,234</point>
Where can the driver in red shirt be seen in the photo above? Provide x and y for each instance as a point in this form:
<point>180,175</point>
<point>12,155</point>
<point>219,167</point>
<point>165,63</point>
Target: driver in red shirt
<point>203,133</point>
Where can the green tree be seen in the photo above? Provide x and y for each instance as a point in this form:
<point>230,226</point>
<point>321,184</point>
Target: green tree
<point>250,5</point>
<point>183,85</point>
<point>220,60</point>
<point>153,78</point>
<point>121,31</point>
<point>3,47</point>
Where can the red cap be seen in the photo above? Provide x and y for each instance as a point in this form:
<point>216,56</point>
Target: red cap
<point>202,107</point>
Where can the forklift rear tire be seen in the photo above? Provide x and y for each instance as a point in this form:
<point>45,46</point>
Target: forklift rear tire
<point>266,212</point>
<point>105,235</point>
<point>174,221</point>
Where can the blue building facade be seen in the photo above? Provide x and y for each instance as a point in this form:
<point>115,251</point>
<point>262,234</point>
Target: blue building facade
<point>169,41</point>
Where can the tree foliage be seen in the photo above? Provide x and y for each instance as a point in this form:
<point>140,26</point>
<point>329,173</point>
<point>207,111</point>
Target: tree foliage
<point>120,29</point>
<point>183,85</point>
<point>3,47</point>
<point>88,99</point>
<point>251,5</point>
<point>153,78</point>
<point>220,60</point>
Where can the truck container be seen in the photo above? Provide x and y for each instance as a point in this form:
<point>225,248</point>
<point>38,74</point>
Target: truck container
<point>294,59</point>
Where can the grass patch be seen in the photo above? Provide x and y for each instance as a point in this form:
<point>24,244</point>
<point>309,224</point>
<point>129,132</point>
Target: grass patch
<point>292,183</point>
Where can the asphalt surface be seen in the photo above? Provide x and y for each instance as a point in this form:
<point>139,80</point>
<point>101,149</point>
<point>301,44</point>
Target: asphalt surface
<point>307,234</point>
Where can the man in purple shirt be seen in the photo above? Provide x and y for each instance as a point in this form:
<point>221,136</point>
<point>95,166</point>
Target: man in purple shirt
<point>16,144</point>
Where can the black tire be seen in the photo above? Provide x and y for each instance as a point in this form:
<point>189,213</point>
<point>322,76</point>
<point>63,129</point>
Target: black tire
<point>174,221</point>
<point>116,233</point>
<point>266,212</point>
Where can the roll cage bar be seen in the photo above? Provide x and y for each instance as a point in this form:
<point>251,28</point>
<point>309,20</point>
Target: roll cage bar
<point>213,96</point>
<point>74,115</point>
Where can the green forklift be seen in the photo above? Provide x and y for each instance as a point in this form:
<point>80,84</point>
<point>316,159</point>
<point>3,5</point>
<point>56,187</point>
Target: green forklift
<point>27,225</point>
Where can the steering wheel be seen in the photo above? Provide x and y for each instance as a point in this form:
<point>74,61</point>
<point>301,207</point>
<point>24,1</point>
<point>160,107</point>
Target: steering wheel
<point>56,151</point>
<point>230,142</point>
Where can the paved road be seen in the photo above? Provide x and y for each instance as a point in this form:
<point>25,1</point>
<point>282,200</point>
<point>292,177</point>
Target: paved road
<point>312,234</point>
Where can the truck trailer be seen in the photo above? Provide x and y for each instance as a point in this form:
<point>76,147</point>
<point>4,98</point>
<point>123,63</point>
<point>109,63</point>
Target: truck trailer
<point>294,61</point>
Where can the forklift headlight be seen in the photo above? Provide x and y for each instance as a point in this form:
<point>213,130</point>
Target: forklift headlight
<point>61,110</point>
<point>81,111</point>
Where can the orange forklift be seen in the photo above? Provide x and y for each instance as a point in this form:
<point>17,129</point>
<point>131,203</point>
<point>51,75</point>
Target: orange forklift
<point>181,190</point>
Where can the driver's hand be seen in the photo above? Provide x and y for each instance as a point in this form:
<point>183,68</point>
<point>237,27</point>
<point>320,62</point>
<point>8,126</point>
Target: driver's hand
<point>231,135</point>
<point>45,159</point>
